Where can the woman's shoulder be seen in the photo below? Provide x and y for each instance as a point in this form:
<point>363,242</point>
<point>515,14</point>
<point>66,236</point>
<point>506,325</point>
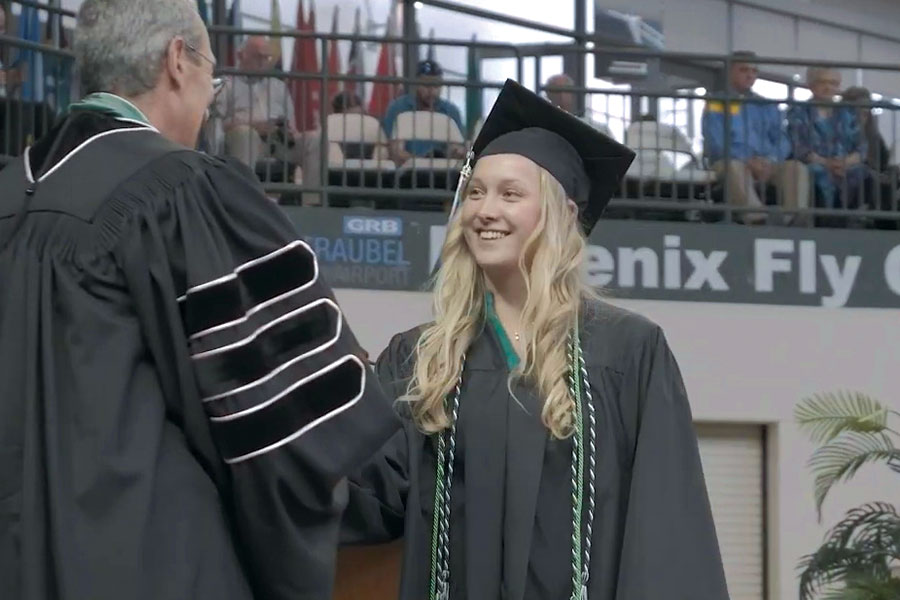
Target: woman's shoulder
<point>398,354</point>
<point>406,340</point>
<point>611,335</point>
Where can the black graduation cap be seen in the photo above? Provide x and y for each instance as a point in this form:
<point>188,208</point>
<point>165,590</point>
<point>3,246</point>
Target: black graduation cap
<point>588,164</point>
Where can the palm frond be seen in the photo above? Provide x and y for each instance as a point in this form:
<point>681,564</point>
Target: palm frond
<point>872,524</point>
<point>841,458</point>
<point>827,415</point>
<point>866,588</point>
<point>830,565</point>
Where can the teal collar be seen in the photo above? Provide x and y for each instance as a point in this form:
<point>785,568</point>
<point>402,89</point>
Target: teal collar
<point>111,104</point>
<point>509,352</point>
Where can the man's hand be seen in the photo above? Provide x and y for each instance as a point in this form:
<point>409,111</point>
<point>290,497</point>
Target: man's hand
<point>837,166</point>
<point>761,168</point>
<point>398,152</point>
<point>264,127</point>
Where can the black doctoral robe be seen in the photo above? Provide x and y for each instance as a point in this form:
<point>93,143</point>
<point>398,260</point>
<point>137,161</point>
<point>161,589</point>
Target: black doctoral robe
<point>511,521</point>
<point>180,397</point>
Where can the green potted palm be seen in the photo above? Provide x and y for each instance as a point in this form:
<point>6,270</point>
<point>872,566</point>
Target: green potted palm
<point>860,555</point>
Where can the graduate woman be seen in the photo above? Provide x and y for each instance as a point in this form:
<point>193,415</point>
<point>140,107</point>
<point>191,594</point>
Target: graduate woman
<point>548,451</point>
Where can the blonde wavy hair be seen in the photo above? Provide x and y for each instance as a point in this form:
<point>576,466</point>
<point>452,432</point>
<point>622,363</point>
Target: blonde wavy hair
<point>555,291</point>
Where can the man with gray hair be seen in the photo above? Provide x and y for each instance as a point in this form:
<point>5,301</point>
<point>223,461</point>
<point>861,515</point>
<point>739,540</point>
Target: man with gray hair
<point>180,396</point>
<point>560,90</point>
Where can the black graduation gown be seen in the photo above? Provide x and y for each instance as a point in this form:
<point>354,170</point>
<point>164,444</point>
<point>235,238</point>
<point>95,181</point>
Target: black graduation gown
<point>180,397</point>
<point>511,521</point>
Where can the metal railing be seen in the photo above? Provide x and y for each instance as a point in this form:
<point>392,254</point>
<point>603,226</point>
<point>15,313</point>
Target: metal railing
<point>674,177</point>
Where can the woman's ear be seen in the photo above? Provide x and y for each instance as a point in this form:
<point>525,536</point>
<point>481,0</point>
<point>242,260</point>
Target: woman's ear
<point>573,208</point>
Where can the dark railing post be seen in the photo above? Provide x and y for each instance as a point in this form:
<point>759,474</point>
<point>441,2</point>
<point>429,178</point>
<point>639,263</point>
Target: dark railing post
<point>579,58</point>
<point>220,18</point>
<point>324,106</point>
<point>726,141</point>
<point>410,40</point>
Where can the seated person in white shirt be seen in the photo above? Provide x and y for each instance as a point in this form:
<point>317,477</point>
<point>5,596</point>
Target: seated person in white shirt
<point>258,115</point>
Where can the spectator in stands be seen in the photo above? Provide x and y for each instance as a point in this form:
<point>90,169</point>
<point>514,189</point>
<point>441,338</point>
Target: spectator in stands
<point>565,99</point>
<point>561,97</point>
<point>828,139</point>
<point>9,75</point>
<point>878,156</point>
<point>347,102</point>
<point>885,177</point>
<point>758,145</point>
<point>426,96</point>
<point>258,113</point>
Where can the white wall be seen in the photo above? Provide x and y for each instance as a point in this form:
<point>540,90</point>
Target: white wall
<point>742,364</point>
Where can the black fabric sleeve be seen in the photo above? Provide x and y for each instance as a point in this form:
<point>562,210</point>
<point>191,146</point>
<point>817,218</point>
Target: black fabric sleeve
<point>379,490</point>
<point>669,548</point>
<point>291,405</point>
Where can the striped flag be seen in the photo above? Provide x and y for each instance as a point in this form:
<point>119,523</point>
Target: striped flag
<point>236,20</point>
<point>305,92</point>
<point>355,59</point>
<point>57,69</point>
<point>31,61</point>
<point>382,92</point>
<point>275,20</point>
<point>474,95</point>
<point>334,58</point>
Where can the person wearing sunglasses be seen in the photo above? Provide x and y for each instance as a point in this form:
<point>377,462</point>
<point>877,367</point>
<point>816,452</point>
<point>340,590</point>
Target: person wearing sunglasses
<point>181,398</point>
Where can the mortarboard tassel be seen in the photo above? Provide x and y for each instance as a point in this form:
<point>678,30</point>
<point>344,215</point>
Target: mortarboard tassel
<point>464,175</point>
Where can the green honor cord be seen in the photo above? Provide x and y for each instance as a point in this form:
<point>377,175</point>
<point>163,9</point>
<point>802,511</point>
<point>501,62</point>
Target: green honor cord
<point>439,587</point>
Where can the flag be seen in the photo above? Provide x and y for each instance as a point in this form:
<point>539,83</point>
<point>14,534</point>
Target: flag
<point>297,86</point>
<point>355,59</point>
<point>203,11</point>
<point>57,69</point>
<point>334,58</point>
<point>275,20</point>
<point>31,61</point>
<point>305,92</point>
<point>314,87</point>
<point>474,95</point>
<point>430,55</point>
<point>236,20</point>
<point>382,92</point>
<point>48,30</point>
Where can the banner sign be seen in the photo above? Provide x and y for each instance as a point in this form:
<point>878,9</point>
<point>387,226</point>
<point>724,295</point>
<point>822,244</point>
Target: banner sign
<point>361,248</point>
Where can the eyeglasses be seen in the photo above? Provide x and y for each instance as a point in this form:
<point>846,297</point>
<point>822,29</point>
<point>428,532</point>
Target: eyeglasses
<point>218,83</point>
<point>200,54</point>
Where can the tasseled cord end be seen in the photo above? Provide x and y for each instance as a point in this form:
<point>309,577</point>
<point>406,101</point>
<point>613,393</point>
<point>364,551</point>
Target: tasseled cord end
<point>584,584</point>
<point>464,175</point>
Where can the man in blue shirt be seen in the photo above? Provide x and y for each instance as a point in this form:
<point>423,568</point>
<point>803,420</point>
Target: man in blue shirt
<point>426,96</point>
<point>759,147</point>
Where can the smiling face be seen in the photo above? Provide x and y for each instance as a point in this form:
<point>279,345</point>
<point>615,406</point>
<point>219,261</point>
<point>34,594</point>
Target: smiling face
<point>501,210</point>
